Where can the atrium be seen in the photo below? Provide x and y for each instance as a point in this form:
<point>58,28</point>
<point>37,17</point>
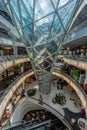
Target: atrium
<point>43,64</point>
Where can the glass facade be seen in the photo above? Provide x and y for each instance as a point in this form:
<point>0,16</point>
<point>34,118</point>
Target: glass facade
<point>4,12</point>
<point>4,33</point>
<point>42,25</point>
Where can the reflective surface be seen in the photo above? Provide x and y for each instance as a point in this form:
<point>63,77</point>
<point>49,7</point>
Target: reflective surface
<point>42,25</point>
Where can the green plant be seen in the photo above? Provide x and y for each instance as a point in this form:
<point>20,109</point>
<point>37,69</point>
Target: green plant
<point>8,82</point>
<point>31,92</point>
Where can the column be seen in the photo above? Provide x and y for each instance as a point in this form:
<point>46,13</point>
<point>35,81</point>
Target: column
<point>45,84</point>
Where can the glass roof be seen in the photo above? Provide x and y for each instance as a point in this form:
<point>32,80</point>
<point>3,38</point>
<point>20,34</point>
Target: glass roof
<point>4,12</point>
<point>42,25</point>
<point>50,17</point>
<point>2,7</point>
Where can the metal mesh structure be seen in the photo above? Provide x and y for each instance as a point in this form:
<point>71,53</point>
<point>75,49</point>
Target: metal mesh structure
<point>42,25</point>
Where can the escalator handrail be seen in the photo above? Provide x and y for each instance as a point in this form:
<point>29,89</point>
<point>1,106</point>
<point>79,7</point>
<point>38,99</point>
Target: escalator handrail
<point>41,124</point>
<point>19,124</point>
<point>63,119</point>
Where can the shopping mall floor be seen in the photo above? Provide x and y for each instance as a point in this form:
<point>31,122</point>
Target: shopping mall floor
<point>72,107</point>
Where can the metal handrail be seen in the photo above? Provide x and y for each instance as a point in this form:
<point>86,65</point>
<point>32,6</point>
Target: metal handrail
<point>13,83</point>
<point>12,57</point>
<point>19,124</point>
<point>27,124</point>
<point>14,124</point>
<point>74,81</point>
<point>63,119</point>
<point>76,57</point>
<point>4,92</point>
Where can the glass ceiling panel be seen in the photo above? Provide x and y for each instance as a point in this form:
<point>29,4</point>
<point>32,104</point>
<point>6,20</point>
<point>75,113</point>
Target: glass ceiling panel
<point>56,27</point>
<point>69,7</point>
<point>66,12</point>
<point>42,8</point>
<point>26,20</point>
<point>52,47</point>
<point>63,2</point>
<point>5,1</point>
<point>2,7</point>
<point>37,35</point>
<point>29,6</point>
<point>55,3</point>
<point>9,11</point>
<point>39,48</point>
<point>18,25</point>
<point>28,31</point>
<point>47,19</point>
<point>45,24</point>
<point>14,4</point>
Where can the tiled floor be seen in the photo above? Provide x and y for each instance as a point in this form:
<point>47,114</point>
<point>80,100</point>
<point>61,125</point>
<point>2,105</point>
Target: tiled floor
<point>69,98</point>
<point>69,110</point>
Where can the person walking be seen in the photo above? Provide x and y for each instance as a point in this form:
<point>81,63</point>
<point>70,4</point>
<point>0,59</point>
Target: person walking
<point>40,99</point>
<point>0,124</point>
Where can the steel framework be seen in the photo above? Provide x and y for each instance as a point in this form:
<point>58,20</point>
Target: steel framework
<point>42,26</point>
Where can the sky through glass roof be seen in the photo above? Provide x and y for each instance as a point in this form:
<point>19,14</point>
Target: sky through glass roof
<point>39,23</point>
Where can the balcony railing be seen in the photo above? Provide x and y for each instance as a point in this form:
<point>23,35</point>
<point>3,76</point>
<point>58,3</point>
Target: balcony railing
<point>74,81</point>
<point>12,57</point>
<point>57,113</point>
<point>76,61</point>
<point>27,126</point>
<point>77,57</point>
<point>4,99</point>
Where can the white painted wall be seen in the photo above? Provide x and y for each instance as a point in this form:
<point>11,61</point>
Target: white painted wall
<point>23,107</point>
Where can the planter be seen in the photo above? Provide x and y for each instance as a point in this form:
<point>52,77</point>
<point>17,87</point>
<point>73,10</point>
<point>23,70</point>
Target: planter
<point>60,99</point>
<point>31,92</point>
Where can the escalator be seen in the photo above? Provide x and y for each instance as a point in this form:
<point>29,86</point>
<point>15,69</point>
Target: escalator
<point>55,124</point>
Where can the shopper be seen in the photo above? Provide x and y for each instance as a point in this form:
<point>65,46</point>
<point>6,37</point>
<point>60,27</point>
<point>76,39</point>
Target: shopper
<point>40,99</point>
<point>23,123</point>
<point>0,124</point>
